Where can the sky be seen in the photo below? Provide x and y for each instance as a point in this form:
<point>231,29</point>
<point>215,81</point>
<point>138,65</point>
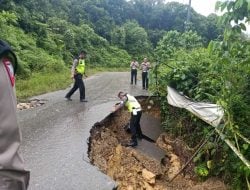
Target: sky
<point>204,7</point>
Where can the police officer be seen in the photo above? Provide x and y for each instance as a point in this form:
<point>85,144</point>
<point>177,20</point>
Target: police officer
<point>134,65</point>
<point>134,108</point>
<point>77,72</point>
<point>12,173</point>
<point>145,66</point>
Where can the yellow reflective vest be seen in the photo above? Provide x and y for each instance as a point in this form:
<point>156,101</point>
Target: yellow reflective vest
<point>80,68</point>
<point>132,103</point>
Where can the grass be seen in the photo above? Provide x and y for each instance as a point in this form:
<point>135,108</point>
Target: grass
<point>41,83</point>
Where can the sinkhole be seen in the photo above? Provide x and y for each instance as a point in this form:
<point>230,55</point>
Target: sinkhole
<point>153,164</point>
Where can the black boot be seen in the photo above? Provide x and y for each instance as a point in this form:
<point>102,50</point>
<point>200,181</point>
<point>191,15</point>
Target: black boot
<point>131,144</point>
<point>139,136</point>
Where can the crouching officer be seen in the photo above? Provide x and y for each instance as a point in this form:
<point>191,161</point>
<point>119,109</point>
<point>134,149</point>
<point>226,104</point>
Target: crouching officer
<point>135,109</point>
<point>12,173</point>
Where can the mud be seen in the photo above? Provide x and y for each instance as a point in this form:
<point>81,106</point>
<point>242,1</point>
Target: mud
<point>132,168</point>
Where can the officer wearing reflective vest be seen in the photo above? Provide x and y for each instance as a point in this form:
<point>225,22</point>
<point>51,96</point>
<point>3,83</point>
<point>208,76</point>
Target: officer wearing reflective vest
<point>13,176</point>
<point>77,72</point>
<point>134,108</point>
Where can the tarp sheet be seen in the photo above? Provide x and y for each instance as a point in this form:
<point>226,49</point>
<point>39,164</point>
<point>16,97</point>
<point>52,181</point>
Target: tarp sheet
<point>210,113</point>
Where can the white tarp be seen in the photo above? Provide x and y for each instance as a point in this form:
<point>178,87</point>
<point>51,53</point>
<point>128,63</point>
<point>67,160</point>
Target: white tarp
<point>210,113</point>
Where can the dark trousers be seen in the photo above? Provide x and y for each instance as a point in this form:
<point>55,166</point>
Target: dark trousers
<point>14,180</point>
<point>145,80</point>
<point>78,84</point>
<point>133,75</point>
<point>135,126</point>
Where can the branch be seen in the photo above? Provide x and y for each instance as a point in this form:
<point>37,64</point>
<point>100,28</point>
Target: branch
<point>230,144</point>
<point>244,138</point>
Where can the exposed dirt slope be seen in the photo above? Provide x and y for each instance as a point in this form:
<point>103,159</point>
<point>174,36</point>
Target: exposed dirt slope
<point>132,169</point>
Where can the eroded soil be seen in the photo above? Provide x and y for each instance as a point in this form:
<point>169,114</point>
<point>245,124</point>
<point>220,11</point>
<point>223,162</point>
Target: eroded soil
<point>134,170</point>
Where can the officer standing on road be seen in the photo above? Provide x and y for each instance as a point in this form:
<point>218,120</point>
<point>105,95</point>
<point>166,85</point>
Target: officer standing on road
<point>134,65</point>
<point>77,72</point>
<point>135,109</point>
<point>12,173</point>
<point>145,66</point>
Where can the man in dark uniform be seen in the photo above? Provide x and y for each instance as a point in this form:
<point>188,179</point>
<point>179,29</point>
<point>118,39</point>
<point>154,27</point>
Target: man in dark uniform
<point>134,65</point>
<point>77,72</point>
<point>13,176</point>
<point>145,66</point>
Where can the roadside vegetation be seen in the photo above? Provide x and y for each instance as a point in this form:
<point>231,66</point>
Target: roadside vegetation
<point>218,74</point>
<point>47,35</point>
<point>207,59</point>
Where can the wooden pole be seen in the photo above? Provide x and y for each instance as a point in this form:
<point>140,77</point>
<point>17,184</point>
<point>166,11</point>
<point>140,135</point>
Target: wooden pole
<point>188,16</point>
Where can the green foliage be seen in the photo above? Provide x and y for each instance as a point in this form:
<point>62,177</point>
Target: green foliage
<point>111,57</point>
<point>173,41</point>
<point>59,42</point>
<point>218,74</point>
<point>7,18</point>
<point>63,28</point>
<point>41,83</point>
<point>118,37</point>
<point>207,77</point>
<point>46,35</point>
<point>155,36</point>
<point>201,170</point>
<point>158,15</point>
<point>136,39</point>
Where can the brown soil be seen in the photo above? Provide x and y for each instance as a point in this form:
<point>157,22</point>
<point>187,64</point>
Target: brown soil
<point>133,170</point>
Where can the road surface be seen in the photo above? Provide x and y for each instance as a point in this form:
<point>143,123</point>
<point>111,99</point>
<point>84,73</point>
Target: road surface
<point>55,135</point>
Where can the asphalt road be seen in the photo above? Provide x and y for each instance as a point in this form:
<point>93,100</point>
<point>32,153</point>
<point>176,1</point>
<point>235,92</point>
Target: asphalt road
<point>55,135</point>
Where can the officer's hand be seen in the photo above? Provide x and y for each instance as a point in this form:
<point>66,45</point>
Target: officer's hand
<point>113,109</point>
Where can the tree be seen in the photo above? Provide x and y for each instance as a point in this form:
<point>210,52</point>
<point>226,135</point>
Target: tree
<point>173,41</point>
<point>118,37</point>
<point>136,41</point>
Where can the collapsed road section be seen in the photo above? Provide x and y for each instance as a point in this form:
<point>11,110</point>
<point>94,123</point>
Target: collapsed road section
<point>153,163</point>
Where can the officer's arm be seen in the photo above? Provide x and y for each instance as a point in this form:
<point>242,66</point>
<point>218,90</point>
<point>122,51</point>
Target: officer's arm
<point>118,106</point>
<point>149,66</point>
<point>73,69</point>
<point>85,74</point>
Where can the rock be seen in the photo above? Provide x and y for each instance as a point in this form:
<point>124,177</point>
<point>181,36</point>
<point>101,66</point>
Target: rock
<point>175,166</point>
<point>31,104</point>
<point>26,106</point>
<point>148,176</point>
<point>147,186</point>
<point>42,102</point>
<point>19,106</point>
<point>130,187</point>
<point>130,174</point>
<point>151,102</point>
